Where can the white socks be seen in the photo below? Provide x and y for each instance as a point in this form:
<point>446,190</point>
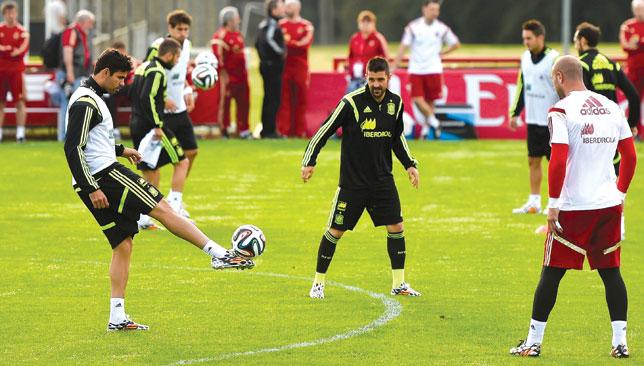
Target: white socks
<point>175,200</point>
<point>433,121</point>
<point>214,250</point>
<point>535,333</point>
<point>1,131</point>
<point>619,332</point>
<point>117,310</point>
<point>535,198</point>
<point>20,132</point>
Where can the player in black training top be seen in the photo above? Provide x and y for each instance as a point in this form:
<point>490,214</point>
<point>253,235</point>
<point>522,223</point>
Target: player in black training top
<point>372,123</point>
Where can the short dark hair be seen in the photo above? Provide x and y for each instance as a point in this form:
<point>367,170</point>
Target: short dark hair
<point>590,32</point>
<point>169,45</point>
<point>270,5</point>
<point>114,61</point>
<point>118,45</point>
<point>427,2</point>
<point>179,16</point>
<point>378,64</point>
<point>535,27</point>
<point>8,5</point>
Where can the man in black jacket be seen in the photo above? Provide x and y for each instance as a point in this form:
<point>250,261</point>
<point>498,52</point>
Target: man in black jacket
<point>272,52</point>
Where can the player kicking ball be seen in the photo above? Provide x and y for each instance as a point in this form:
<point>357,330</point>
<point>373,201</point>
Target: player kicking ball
<point>372,123</point>
<point>114,194</point>
<point>585,205</point>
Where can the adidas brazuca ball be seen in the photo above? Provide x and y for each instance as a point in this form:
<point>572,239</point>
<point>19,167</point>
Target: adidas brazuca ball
<point>248,241</point>
<point>204,76</point>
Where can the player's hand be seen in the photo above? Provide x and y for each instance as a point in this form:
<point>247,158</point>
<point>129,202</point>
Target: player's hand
<point>132,155</point>
<point>70,78</point>
<point>190,102</point>
<point>15,52</point>
<point>307,173</point>
<point>158,134</point>
<point>169,105</point>
<point>414,177</point>
<point>98,199</point>
<point>514,123</point>
<point>635,131</point>
<point>553,221</point>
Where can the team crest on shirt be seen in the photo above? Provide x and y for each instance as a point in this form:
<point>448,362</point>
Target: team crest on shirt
<point>588,129</point>
<point>391,108</point>
<point>339,219</point>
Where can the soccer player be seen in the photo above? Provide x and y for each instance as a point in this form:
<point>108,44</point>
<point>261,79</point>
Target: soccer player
<point>14,44</point>
<point>298,36</point>
<point>631,38</point>
<point>364,45</point>
<point>536,92</point>
<point>426,38</point>
<point>604,76</point>
<point>585,205</point>
<point>272,52</point>
<point>147,96</point>
<point>228,45</point>
<point>372,124</point>
<point>179,101</point>
<point>114,194</point>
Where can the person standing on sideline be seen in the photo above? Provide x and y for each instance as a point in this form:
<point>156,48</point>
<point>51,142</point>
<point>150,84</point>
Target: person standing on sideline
<point>536,93</point>
<point>76,64</point>
<point>55,17</point>
<point>585,204</point>
<point>272,53</point>
<point>298,35</point>
<point>228,45</point>
<point>364,45</point>
<point>115,195</point>
<point>631,38</point>
<point>14,45</point>
<point>372,123</point>
<point>426,38</point>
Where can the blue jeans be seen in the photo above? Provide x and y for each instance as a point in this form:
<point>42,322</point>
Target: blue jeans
<point>355,84</point>
<point>63,102</point>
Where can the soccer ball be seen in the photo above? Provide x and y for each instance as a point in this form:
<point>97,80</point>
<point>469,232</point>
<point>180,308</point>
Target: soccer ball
<point>248,241</point>
<point>204,76</point>
<point>206,57</point>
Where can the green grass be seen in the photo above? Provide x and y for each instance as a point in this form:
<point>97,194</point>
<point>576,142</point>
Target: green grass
<point>476,264</point>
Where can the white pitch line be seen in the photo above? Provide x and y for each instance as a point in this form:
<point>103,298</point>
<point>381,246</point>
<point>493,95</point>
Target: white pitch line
<point>393,308</point>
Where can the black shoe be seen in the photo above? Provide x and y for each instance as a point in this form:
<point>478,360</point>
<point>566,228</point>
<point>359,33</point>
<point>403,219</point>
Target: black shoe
<point>620,351</point>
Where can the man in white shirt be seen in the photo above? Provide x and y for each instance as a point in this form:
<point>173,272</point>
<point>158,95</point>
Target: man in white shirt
<point>536,92</point>
<point>426,38</point>
<point>586,200</point>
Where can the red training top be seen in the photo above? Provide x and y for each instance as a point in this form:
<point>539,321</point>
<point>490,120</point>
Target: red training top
<point>361,50</point>
<point>634,28</point>
<point>298,36</point>
<point>67,40</point>
<point>229,49</point>
<point>11,38</point>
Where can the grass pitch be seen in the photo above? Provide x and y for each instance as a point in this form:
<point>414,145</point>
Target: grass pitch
<point>476,264</point>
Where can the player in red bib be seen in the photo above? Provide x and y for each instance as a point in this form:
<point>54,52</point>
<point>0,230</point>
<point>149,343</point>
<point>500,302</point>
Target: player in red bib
<point>298,36</point>
<point>228,45</point>
<point>14,44</point>
<point>364,45</point>
<point>585,206</point>
<point>631,38</point>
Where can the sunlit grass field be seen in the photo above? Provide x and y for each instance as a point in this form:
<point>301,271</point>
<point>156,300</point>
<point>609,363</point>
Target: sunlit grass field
<point>476,264</point>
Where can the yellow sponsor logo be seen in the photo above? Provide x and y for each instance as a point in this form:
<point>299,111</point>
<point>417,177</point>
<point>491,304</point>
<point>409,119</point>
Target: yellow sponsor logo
<point>391,108</point>
<point>342,206</point>
<point>376,134</point>
<point>368,124</point>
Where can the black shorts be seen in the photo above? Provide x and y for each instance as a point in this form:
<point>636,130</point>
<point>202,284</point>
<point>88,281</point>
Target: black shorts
<point>129,195</point>
<point>171,153</point>
<point>538,141</point>
<point>181,125</point>
<point>382,204</point>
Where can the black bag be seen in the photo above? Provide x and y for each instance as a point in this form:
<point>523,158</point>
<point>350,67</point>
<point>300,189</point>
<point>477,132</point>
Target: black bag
<point>51,51</point>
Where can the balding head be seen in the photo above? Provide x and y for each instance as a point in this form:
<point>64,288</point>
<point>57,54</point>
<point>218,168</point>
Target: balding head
<point>637,6</point>
<point>567,75</point>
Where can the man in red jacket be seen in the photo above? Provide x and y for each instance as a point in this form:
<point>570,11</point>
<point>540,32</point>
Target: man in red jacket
<point>228,46</point>
<point>298,36</point>
<point>631,38</point>
<point>14,44</point>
